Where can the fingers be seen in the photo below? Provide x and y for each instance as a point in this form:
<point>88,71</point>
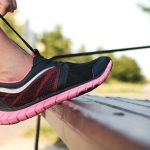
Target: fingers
<point>14,4</point>
<point>4,6</point>
<point>7,6</point>
<point>10,8</point>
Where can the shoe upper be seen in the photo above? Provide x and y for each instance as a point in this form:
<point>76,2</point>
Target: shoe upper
<point>48,78</point>
<point>81,73</point>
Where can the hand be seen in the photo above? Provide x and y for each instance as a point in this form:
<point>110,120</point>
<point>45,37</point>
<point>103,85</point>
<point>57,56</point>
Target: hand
<point>7,6</point>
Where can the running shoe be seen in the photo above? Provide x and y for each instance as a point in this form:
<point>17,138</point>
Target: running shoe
<point>48,83</point>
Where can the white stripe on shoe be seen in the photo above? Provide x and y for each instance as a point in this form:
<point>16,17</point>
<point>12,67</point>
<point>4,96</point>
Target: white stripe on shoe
<point>20,89</point>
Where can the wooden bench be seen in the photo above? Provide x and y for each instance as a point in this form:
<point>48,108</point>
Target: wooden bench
<point>102,123</point>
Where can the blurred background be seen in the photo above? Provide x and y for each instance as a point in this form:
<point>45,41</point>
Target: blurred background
<point>70,26</point>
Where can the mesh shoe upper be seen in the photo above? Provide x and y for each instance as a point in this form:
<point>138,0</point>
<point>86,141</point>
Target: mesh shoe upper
<point>80,73</point>
<point>44,84</point>
<point>47,78</point>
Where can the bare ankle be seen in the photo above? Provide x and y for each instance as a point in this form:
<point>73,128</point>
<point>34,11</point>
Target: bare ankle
<point>14,62</point>
<point>16,71</point>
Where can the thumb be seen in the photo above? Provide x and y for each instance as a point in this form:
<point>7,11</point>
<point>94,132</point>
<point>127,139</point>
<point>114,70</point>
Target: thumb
<point>3,9</point>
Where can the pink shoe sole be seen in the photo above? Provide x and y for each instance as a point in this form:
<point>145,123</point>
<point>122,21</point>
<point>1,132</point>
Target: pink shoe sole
<point>12,117</point>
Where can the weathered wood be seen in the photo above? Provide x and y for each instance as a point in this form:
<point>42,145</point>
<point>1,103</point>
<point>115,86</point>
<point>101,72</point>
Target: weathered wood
<point>122,105</point>
<point>145,103</point>
<point>98,123</point>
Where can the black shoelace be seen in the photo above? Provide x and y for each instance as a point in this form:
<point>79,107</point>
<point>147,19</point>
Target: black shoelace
<point>35,51</point>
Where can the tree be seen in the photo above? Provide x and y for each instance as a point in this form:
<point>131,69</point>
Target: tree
<point>81,59</point>
<point>55,43</point>
<point>87,58</point>
<point>126,69</point>
<point>144,7</point>
<point>19,28</point>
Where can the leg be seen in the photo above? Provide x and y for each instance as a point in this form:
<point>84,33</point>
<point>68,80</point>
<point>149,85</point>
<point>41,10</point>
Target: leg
<point>14,62</point>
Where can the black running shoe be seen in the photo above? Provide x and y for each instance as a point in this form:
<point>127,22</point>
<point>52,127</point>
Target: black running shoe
<point>49,83</point>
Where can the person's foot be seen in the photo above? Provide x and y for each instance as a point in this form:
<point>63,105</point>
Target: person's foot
<point>14,61</point>
<point>49,83</point>
<point>46,84</point>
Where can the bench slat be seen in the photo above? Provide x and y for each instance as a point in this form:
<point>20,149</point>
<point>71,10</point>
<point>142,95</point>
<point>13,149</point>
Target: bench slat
<point>122,105</point>
<point>83,123</point>
<point>145,103</point>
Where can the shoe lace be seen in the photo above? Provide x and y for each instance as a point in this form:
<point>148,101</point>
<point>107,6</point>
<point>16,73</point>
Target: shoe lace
<point>35,51</point>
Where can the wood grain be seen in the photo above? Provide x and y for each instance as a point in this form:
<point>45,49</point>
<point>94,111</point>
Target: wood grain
<point>102,123</point>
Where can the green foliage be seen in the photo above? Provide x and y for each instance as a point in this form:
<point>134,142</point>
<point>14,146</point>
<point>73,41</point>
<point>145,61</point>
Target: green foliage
<point>46,132</point>
<point>115,86</point>
<point>55,43</point>
<point>81,59</point>
<point>19,28</point>
<point>126,69</point>
<point>144,7</point>
<point>82,49</point>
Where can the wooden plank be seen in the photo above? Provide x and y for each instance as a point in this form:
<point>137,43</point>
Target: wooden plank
<point>122,105</point>
<point>145,103</point>
<point>82,122</point>
<point>74,139</point>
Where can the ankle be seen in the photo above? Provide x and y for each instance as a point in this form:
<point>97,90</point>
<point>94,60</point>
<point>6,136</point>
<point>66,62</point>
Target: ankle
<point>14,62</point>
<point>16,71</point>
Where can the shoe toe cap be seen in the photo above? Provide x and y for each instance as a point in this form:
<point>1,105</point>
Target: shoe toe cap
<point>100,65</point>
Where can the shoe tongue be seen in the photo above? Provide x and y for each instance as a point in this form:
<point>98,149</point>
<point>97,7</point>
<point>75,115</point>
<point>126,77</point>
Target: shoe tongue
<point>37,59</point>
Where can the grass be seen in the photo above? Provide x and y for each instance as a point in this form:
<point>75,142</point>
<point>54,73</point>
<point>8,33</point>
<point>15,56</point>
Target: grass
<point>46,133</point>
<point>114,86</point>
